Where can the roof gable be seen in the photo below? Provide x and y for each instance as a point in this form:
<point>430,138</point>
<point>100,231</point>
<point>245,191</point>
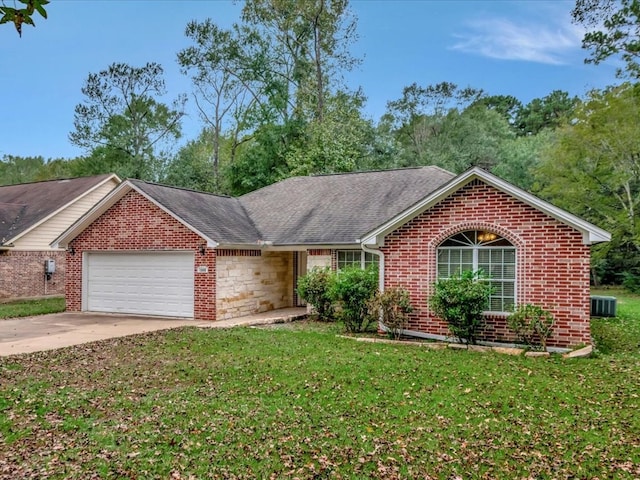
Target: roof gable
<point>25,206</point>
<point>217,219</point>
<point>591,234</point>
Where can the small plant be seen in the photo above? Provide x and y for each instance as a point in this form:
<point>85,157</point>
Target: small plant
<point>460,301</point>
<point>392,307</point>
<point>351,291</point>
<point>532,325</point>
<point>315,289</point>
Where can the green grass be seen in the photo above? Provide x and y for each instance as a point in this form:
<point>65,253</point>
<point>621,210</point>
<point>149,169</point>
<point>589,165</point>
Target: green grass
<point>28,308</point>
<point>299,402</point>
<point>622,333</point>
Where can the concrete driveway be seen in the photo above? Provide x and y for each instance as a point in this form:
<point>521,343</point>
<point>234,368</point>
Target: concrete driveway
<point>57,330</point>
<point>47,332</point>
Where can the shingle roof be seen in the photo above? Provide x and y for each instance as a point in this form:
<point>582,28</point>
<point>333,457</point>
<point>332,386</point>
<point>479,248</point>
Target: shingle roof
<point>220,218</point>
<point>335,209</point>
<point>324,209</point>
<point>24,205</point>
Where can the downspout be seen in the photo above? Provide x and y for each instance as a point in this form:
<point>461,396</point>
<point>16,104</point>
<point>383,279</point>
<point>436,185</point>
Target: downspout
<point>380,277</point>
<point>380,264</point>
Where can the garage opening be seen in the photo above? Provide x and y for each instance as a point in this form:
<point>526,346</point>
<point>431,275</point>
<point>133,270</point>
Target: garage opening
<point>144,283</point>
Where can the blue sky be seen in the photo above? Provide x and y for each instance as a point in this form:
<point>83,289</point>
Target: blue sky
<point>506,47</point>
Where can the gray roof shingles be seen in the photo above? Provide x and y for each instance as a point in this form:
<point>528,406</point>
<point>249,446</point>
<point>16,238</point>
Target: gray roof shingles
<point>220,218</point>
<point>23,206</point>
<point>315,210</point>
<point>338,209</point>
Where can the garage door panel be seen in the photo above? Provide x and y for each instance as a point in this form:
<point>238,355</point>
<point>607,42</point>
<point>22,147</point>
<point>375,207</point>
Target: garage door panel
<point>142,283</point>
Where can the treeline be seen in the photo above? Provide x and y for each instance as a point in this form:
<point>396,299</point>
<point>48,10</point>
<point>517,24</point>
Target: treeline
<point>272,102</point>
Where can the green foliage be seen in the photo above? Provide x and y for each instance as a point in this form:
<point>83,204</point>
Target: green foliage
<point>315,288</point>
<point>593,170</point>
<point>450,127</point>
<point>392,307</point>
<point>337,144</point>
<point>616,31</point>
<point>21,16</point>
<point>631,282</point>
<point>351,291</point>
<point>548,112</point>
<point>122,126</point>
<point>532,325</point>
<point>460,301</point>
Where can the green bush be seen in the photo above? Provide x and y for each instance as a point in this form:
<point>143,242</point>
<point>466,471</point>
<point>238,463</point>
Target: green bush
<point>460,301</point>
<point>532,325</point>
<point>351,291</point>
<point>631,282</point>
<point>392,307</point>
<point>315,289</point>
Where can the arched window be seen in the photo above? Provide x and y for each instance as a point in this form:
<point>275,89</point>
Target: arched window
<point>474,250</point>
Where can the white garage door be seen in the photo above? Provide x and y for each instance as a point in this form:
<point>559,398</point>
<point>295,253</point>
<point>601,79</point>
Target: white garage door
<point>154,283</point>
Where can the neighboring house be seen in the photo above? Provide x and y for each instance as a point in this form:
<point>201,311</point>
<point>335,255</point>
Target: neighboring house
<point>159,250</point>
<point>32,215</point>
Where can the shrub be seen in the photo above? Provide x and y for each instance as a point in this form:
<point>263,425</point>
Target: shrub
<point>315,289</point>
<point>460,301</point>
<point>392,307</point>
<point>631,282</point>
<point>351,290</point>
<point>532,325</point>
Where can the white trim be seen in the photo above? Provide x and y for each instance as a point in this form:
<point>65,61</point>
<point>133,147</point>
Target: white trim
<point>591,234</point>
<point>113,176</point>
<point>107,202</point>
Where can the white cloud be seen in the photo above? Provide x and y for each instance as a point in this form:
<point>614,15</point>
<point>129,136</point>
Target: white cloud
<point>550,43</point>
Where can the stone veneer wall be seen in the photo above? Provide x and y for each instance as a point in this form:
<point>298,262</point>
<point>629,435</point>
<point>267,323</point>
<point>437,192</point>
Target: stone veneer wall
<point>22,274</point>
<point>248,283</point>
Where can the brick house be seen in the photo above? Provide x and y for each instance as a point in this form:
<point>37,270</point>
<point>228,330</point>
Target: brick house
<point>32,215</point>
<point>160,250</point>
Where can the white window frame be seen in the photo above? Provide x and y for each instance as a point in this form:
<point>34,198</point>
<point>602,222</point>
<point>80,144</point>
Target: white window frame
<point>365,259</point>
<point>475,246</point>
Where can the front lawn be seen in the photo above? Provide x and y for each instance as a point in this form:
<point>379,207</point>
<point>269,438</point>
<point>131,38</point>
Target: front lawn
<point>622,333</point>
<point>303,403</point>
<point>28,308</point>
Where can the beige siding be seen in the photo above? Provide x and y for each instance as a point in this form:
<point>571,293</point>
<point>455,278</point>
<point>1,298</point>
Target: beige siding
<point>40,237</point>
<point>246,285</point>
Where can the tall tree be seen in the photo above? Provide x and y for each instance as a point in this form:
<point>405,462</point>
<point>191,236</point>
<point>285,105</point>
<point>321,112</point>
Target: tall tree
<point>341,142</point>
<point>310,41</point>
<point>225,95</point>
<point>269,83</point>
<point>417,116</point>
<point>613,29</point>
<point>193,165</point>
<point>594,171</point>
<point>547,112</point>
<point>122,122</point>
<point>14,169</point>
<point>521,156</point>
<point>474,137</point>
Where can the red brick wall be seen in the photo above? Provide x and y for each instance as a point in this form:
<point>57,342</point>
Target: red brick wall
<point>22,274</point>
<point>133,224</point>
<point>552,262</point>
